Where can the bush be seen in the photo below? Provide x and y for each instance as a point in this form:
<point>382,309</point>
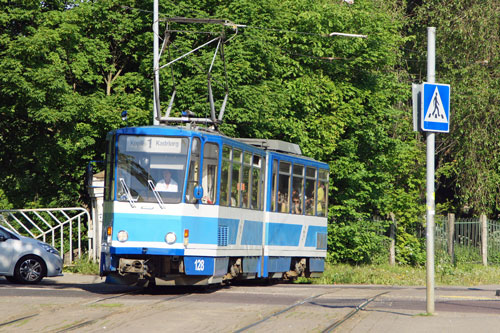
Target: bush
<point>357,242</point>
<point>410,250</point>
<point>84,265</point>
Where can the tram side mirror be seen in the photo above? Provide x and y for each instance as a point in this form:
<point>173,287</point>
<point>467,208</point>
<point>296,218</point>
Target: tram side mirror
<point>89,173</point>
<point>198,192</point>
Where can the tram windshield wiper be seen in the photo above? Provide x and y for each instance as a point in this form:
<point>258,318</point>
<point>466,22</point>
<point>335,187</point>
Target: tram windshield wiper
<point>125,188</point>
<point>152,186</point>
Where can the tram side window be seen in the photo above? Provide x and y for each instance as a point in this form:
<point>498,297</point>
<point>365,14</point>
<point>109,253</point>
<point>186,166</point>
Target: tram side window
<point>310,191</point>
<point>194,167</point>
<point>236,182</point>
<point>322,192</point>
<point>256,181</point>
<point>274,207</point>
<point>245,180</point>
<point>284,187</point>
<point>209,178</point>
<point>298,189</point>
<point>225,173</point>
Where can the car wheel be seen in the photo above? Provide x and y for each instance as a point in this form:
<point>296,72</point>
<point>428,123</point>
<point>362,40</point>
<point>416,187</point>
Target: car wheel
<point>29,270</point>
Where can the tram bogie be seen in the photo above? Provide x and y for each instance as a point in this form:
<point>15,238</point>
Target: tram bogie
<point>188,207</point>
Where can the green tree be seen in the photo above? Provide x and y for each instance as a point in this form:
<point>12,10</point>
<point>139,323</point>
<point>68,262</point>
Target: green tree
<point>467,58</point>
<point>68,73</point>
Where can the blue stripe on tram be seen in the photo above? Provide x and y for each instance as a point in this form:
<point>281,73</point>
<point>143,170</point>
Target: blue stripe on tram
<point>283,234</point>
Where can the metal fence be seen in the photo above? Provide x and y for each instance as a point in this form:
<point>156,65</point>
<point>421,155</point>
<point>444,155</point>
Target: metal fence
<point>459,240</point>
<point>468,239</point>
<point>494,242</point>
<point>68,229</point>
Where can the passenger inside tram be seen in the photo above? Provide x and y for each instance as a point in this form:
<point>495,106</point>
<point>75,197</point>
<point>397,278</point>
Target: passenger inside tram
<point>310,204</point>
<point>321,198</point>
<point>283,202</point>
<point>296,206</point>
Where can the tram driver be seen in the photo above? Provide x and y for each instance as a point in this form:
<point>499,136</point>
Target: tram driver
<point>167,184</point>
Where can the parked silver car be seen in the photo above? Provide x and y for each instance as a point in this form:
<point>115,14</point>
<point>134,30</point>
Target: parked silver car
<point>27,260</point>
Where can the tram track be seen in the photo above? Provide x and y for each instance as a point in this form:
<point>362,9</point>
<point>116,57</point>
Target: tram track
<point>161,295</point>
<point>61,307</point>
<point>30,315</point>
<point>315,308</point>
<point>329,328</point>
<point>13,321</point>
<point>86,323</point>
<point>358,308</point>
<point>276,314</point>
<point>95,320</point>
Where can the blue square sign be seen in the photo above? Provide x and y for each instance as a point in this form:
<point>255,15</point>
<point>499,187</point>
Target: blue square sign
<point>435,107</point>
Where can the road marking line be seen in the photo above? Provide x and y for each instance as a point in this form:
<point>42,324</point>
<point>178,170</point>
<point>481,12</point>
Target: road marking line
<point>471,298</point>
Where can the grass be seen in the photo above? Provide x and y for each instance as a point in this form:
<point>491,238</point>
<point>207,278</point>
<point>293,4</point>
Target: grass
<point>107,305</point>
<point>84,265</point>
<point>445,275</point>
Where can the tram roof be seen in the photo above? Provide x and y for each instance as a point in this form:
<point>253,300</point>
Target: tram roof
<point>273,145</point>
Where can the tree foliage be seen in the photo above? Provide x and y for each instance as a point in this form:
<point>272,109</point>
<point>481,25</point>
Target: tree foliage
<point>59,68</point>
<point>69,68</point>
<point>467,57</point>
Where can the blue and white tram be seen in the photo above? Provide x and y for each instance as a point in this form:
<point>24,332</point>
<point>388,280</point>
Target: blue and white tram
<point>227,208</point>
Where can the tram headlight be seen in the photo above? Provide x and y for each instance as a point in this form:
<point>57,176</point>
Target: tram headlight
<point>170,238</point>
<point>122,236</point>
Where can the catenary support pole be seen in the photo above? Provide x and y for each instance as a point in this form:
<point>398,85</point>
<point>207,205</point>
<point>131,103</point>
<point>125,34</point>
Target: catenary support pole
<point>156,61</point>
<point>430,211</point>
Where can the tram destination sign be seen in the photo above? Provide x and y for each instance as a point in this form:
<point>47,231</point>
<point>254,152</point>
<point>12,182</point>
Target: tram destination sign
<point>151,144</point>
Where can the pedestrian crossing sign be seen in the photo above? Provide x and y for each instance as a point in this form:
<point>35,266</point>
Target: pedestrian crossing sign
<point>435,107</point>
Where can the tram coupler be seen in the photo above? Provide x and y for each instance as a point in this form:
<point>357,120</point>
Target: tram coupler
<point>135,266</point>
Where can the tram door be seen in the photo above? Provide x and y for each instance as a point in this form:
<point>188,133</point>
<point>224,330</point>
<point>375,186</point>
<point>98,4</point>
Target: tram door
<point>210,172</point>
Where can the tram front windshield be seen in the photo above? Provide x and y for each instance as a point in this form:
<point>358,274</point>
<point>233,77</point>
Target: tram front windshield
<point>151,168</point>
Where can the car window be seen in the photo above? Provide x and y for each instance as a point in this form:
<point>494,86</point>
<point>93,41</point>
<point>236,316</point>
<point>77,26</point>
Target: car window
<point>4,234</point>
<point>7,234</point>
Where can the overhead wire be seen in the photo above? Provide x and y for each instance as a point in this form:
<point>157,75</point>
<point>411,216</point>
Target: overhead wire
<point>246,26</point>
<point>276,30</point>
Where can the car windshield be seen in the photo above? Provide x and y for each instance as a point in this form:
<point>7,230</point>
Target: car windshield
<point>151,168</point>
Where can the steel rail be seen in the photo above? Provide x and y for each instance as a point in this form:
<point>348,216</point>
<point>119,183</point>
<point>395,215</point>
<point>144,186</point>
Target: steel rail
<point>362,306</point>
<point>306,300</point>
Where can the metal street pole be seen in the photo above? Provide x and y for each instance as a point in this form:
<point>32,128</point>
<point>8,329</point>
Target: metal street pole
<point>156,61</point>
<point>431,78</point>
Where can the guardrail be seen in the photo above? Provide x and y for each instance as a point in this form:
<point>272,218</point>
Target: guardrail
<point>62,227</point>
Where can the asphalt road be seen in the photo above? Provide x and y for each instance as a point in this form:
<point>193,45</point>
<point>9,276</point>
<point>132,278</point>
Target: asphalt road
<point>76,303</point>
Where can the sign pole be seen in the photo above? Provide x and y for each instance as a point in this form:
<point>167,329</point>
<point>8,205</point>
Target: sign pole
<point>430,211</point>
